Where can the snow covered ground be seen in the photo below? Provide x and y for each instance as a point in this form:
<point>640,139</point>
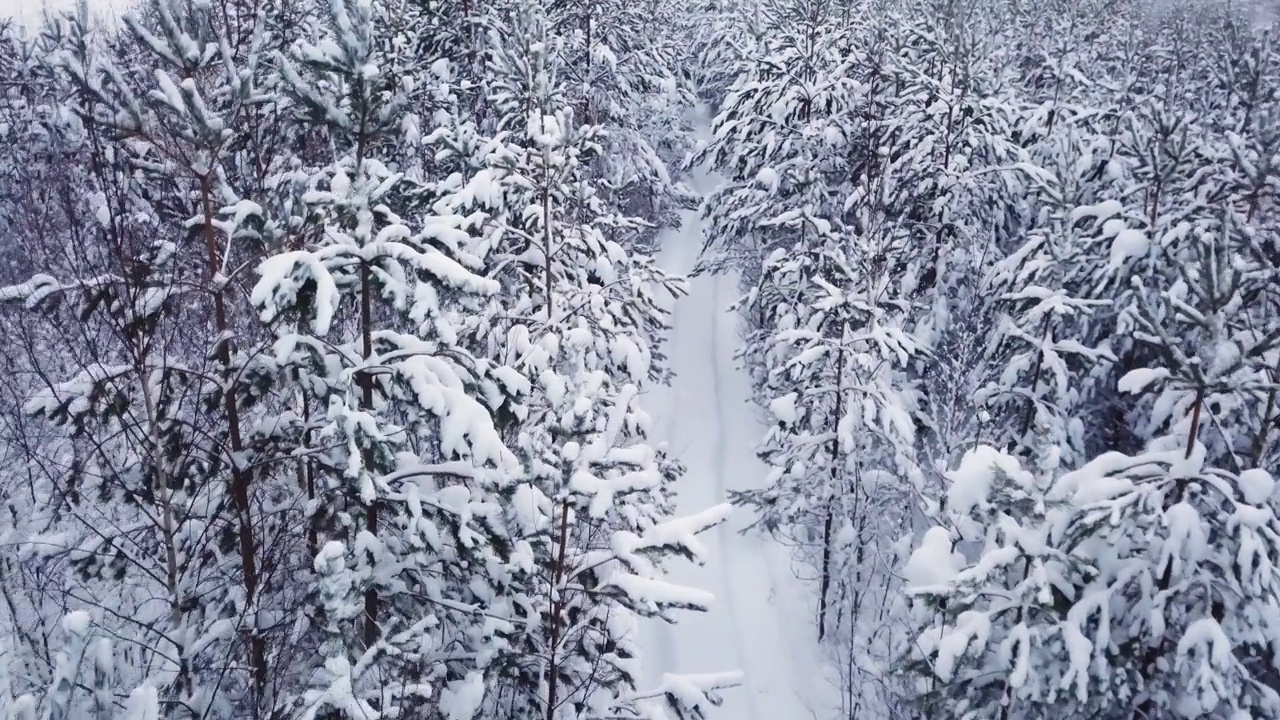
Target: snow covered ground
<point>762,622</point>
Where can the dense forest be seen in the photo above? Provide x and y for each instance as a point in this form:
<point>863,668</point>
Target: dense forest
<point>327,329</point>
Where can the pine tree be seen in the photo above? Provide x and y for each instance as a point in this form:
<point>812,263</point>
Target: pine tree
<point>835,348</point>
<point>778,137</point>
<point>580,317</point>
<point>405,453</point>
<point>150,413</point>
<point>619,63</point>
<point>987,590</point>
<point>1212,356</point>
<point>1144,588</point>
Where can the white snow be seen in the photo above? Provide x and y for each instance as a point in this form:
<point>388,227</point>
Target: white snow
<point>784,408</point>
<point>462,699</point>
<point>77,622</point>
<point>1128,244</point>
<point>1205,632</point>
<point>652,593</point>
<point>1136,381</point>
<point>762,620</point>
<point>970,633</point>
<point>143,704</point>
<point>768,178</point>
<point>1101,211</point>
<point>934,562</point>
<point>279,277</point>
<point>971,482</point>
<point>1256,486</point>
<point>1188,540</point>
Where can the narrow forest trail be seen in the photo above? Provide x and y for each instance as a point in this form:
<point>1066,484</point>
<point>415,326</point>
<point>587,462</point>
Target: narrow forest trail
<point>762,622</point>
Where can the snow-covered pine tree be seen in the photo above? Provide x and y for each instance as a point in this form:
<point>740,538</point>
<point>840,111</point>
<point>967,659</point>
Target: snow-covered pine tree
<point>986,588</point>
<point>61,701</point>
<point>538,168</point>
<point>723,39</point>
<point>1169,195</point>
<point>1038,351</point>
<point>1072,253</point>
<point>405,453</point>
<point>942,184</point>
<point>778,139</point>
<point>530,611</point>
<point>20,127</point>
<point>1178,620</point>
<point>1213,357</point>
<point>1253,178</point>
<point>835,348</point>
<point>149,496</point>
<point>809,218</point>
<point>619,60</point>
<point>580,316</point>
<point>1135,586</point>
<point>42,138</point>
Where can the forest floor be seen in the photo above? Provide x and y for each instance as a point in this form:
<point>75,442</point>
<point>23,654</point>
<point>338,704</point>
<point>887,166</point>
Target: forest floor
<point>763,620</point>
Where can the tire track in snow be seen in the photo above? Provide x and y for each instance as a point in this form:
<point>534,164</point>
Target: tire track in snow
<point>785,667</point>
<point>716,356</point>
<point>679,249</point>
<point>666,631</point>
<point>762,620</point>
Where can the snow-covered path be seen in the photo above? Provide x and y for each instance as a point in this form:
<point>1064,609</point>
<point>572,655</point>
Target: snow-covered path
<point>762,622</point>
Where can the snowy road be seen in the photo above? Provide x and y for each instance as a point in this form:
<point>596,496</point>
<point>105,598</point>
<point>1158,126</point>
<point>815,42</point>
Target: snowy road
<point>762,622</point>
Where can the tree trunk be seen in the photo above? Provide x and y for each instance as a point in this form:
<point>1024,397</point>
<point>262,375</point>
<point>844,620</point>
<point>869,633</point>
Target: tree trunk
<point>371,631</point>
<point>1145,709</point>
<point>1260,442</point>
<point>365,380</point>
<point>1029,414</point>
<point>558,571</point>
<point>240,477</point>
<point>828,524</point>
